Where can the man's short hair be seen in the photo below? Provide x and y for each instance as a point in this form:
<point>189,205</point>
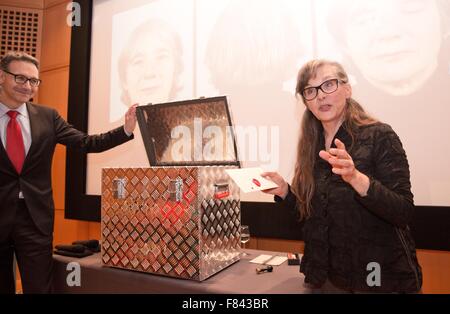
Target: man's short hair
<point>11,56</point>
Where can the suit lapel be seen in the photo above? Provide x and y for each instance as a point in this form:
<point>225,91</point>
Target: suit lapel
<point>34,130</point>
<point>35,126</point>
<point>5,159</point>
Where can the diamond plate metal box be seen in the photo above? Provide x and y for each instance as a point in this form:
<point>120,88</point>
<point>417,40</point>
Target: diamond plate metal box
<point>180,218</point>
<point>146,228</point>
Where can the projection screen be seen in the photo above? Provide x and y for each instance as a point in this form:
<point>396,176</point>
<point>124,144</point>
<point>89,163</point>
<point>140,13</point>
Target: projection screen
<point>250,50</point>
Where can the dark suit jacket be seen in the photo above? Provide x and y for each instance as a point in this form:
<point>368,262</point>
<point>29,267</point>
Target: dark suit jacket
<point>47,130</point>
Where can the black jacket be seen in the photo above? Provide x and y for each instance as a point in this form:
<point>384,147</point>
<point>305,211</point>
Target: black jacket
<point>346,232</point>
<point>47,130</point>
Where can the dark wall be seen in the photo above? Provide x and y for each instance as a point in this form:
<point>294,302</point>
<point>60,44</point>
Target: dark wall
<point>430,226</point>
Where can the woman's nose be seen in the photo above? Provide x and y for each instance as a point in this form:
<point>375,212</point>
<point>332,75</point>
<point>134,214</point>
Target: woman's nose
<point>321,94</point>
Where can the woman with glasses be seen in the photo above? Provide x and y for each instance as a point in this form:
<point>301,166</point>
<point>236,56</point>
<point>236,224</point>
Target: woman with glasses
<point>352,189</point>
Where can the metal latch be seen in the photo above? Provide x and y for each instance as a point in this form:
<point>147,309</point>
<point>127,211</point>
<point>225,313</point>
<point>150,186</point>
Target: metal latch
<point>221,190</point>
<point>176,190</point>
<point>119,190</point>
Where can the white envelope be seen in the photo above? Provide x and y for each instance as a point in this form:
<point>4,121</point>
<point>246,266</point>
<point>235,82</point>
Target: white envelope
<point>272,260</point>
<point>250,180</point>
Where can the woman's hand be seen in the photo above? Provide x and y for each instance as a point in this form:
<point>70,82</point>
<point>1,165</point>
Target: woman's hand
<point>343,165</point>
<point>283,188</point>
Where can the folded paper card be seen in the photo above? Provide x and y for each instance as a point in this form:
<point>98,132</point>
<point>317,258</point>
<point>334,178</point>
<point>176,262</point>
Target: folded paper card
<point>273,260</point>
<point>250,179</point>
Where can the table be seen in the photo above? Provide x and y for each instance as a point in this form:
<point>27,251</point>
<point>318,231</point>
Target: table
<point>239,278</point>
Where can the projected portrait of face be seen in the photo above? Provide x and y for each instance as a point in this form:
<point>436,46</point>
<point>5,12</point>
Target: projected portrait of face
<point>254,47</point>
<point>395,44</point>
<point>253,43</point>
<point>150,64</point>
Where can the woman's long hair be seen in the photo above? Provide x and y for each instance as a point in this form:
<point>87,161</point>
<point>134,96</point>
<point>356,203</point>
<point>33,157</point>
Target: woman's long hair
<point>311,132</point>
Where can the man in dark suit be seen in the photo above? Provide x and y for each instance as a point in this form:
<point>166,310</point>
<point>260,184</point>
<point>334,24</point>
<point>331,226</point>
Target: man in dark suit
<point>29,134</point>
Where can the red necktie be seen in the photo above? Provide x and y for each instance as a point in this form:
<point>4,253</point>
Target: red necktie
<point>14,142</point>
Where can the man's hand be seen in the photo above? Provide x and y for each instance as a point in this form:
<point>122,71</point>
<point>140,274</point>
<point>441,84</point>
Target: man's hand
<point>130,119</point>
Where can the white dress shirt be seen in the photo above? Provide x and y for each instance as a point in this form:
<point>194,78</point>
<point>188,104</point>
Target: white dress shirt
<point>23,119</point>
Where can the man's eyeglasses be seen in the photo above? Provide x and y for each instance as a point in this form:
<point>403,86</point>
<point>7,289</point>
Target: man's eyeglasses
<point>22,79</point>
<point>328,87</point>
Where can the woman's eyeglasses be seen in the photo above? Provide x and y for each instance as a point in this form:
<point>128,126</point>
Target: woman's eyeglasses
<point>328,87</point>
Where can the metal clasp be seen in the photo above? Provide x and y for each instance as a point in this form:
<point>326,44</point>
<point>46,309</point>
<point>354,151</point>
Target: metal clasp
<point>221,190</point>
<point>119,190</point>
<point>176,190</point>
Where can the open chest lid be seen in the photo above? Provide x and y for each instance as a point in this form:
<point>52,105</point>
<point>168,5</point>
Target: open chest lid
<point>195,132</point>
